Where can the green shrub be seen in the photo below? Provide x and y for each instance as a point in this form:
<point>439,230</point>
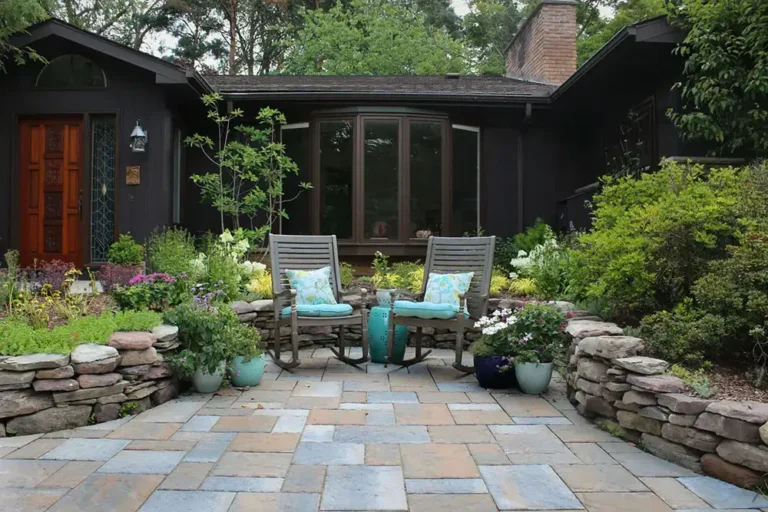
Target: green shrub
<point>684,335</point>
<point>126,251</point>
<point>156,292</point>
<point>697,380</point>
<point>171,251</point>
<point>534,235</point>
<point>499,283</point>
<point>223,272</point>
<point>406,275</point>
<point>652,237</point>
<point>18,338</point>
<point>503,253</point>
<point>347,274</point>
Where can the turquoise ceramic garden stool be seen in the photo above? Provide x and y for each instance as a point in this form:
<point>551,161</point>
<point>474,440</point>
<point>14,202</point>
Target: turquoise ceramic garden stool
<point>377,336</point>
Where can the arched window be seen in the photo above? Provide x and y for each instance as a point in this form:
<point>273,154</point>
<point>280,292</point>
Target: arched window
<point>71,72</point>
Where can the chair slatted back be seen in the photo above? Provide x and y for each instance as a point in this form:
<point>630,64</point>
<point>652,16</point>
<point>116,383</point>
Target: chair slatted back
<point>446,255</point>
<point>303,252</point>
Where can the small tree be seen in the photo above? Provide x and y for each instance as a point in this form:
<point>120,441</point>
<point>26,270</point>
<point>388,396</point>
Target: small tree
<point>250,171</point>
<point>725,85</point>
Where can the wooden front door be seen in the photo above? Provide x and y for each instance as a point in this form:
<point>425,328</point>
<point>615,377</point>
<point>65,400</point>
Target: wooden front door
<point>51,190</point>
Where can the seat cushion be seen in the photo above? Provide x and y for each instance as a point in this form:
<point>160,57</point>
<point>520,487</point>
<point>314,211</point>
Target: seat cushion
<point>324,310</point>
<point>312,286</point>
<point>446,288</point>
<point>427,310</point>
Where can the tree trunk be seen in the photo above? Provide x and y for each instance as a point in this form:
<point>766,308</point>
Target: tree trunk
<point>232,35</point>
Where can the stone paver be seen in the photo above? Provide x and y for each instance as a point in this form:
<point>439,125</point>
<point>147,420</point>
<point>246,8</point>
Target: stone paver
<point>330,437</point>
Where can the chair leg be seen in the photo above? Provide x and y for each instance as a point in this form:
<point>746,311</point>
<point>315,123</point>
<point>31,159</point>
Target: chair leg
<point>390,337</point>
<point>417,341</point>
<point>365,334</point>
<point>460,350</point>
<point>275,354</point>
<point>340,354</point>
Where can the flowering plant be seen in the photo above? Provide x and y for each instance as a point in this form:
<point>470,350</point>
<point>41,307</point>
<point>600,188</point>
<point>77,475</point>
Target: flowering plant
<point>155,292</point>
<point>532,333</point>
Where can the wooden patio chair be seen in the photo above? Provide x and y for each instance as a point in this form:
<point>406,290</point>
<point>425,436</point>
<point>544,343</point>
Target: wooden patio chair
<point>451,256</point>
<point>289,252</point>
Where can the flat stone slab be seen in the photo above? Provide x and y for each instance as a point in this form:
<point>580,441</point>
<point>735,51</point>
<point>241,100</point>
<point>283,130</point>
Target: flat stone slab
<point>235,484</point>
<point>87,449</point>
<point>364,488</point>
<point>392,397</point>
<point>534,487</point>
<point>752,412</point>
<point>683,404</point>
<point>723,495</point>
<point>598,478</point>
<point>329,454</point>
<point>641,364</point>
<point>109,492</point>
<point>209,501</point>
<point>657,383</point>
<point>90,352</point>
<point>643,464</point>
<point>86,394</point>
<point>132,340</point>
<point>165,333</point>
<point>143,462</point>
<point>31,500</point>
<point>26,473</point>
<point>611,347</point>
<point>381,434</point>
<point>207,451</point>
<point>10,380</point>
<point>34,362</point>
<point>445,486</point>
<point>585,328</point>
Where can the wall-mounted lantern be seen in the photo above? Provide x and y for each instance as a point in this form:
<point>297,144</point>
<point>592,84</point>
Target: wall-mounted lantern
<point>138,139</point>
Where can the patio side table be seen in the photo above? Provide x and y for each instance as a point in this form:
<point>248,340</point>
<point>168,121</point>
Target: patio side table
<point>378,322</point>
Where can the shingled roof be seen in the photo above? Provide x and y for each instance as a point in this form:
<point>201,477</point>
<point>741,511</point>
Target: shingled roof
<point>434,87</point>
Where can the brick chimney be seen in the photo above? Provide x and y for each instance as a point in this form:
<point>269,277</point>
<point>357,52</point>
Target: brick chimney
<point>544,48</point>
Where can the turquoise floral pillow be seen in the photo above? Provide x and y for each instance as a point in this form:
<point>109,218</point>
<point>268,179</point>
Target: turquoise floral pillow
<point>446,288</point>
<point>312,286</point>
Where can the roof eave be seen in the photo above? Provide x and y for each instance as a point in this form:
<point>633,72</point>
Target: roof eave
<point>425,97</point>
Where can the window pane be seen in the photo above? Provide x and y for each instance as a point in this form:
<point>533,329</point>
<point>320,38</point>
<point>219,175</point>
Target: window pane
<point>381,170</point>
<point>295,199</point>
<point>71,72</point>
<point>464,181</point>
<point>336,178</point>
<point>426,165</point>
<point>102,187</point>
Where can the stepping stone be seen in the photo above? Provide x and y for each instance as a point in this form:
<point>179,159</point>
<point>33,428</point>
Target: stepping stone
<point>163,501</point>
<point>186,476</point>
<point>143,462</point>
<point>26,473</point>
<point>615,501</point>
<point>364,488</point>
<point>245,424</point>
<point>318,389</point>
<point>304,479</point>
<point>674,493</point>
<point>598,478</point>
<point>318,434</point>
<point>723,495</point>
<point>86,449</point>
<point>424,414</point>
<point>521,439</point>
<point>488,454</point>
<point>207,451</point>
<point>528,488</point>
<point>171,412</point>
<point>438,461</point>
<point>102,492</point>
<point>521,405</point>
<point>200,424</point>
<point>336,417</point>
<point>268,443</point>
<point>235,484</point>
<point>381,434</point>
<point>329,454</point>
<point>591,453</point>
<point>463,434</point>
<point>290,424</point>
<point>445,486</point>
<point>71,474</point>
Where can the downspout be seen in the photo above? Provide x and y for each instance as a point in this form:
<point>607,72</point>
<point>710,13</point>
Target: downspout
<point>520,192</point>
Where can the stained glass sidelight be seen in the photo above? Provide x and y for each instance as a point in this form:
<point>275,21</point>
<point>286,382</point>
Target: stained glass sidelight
<point>102,187</point>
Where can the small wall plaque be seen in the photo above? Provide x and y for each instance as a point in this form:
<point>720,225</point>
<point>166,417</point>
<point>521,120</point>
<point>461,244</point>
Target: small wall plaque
<point>133,175</point>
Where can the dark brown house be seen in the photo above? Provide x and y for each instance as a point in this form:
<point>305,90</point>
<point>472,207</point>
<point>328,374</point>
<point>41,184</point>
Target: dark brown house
<point>392,158</point>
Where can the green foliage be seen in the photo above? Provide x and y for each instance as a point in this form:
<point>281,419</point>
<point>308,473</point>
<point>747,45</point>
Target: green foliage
<point>249,177</point>
<point>347,274</point>
<point>371,37</point>
<point>685,334</point>
<point>17,15</point>
<point>171,251</point>
<point>653,237</point>
<point>537,334</point>
<point>696,380</point>
<point>522,286</point>
<point>725,76</point>
<point>155,292</point>
<point>18,338</point>
<point>503,253</point>
<point>223,272</point>
<point>128,409</point>
<point>489,26</point>
<point>209,336</point>
<point>260,286</point>
<point>602,30</point>
<point>404,275</point>
<point>126,251</point>
<point>10,280</point>
<point>533,236</point>
<point>499,283</point>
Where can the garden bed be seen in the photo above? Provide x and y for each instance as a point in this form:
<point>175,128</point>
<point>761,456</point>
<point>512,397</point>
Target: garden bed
<point>631,396</point>
<point>95,383</point>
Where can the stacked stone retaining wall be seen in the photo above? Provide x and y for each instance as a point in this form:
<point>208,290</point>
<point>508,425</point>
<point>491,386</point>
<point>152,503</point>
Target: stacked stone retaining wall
<point>47,392</point>
<point>630,395</point>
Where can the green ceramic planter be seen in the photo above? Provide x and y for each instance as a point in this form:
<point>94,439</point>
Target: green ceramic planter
<point>205,382</point>
<point>533,378</point>
<point>247,374</point>
<point>378,322</point>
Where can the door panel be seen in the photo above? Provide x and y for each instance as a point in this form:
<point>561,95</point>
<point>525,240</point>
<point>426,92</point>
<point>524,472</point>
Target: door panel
<point>51,183</point>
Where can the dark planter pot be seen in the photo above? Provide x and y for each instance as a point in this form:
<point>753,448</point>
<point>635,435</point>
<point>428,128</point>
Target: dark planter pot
<point>488,374</point>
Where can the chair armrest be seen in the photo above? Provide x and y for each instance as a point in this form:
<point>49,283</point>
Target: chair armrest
<point>288,294</point>
<point>363,299</point>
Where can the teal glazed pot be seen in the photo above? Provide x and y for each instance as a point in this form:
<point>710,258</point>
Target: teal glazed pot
<point>533,378</point>
<point>247,374</point>
<point>205,382</point>
<point>378,322</point>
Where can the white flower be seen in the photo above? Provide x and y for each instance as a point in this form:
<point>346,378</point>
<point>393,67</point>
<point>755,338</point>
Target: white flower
<point>226,237</point>
<point>513,275</point>
<point>242,246</point>
<point>521,254</point>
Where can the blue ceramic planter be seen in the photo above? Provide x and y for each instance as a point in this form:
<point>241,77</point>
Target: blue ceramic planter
<point>488,375</point>
<point>247,374</point>
<point>534,378</point>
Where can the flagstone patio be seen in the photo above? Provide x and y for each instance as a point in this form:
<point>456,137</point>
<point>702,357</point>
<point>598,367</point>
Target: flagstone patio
<point>333,437</point>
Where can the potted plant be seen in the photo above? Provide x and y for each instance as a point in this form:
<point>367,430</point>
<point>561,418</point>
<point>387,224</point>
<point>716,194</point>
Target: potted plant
<point>204,333</point>
<point>536,339</point>
<point>247,366</point>
<point>493,351</point>
<point>384,279</point>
